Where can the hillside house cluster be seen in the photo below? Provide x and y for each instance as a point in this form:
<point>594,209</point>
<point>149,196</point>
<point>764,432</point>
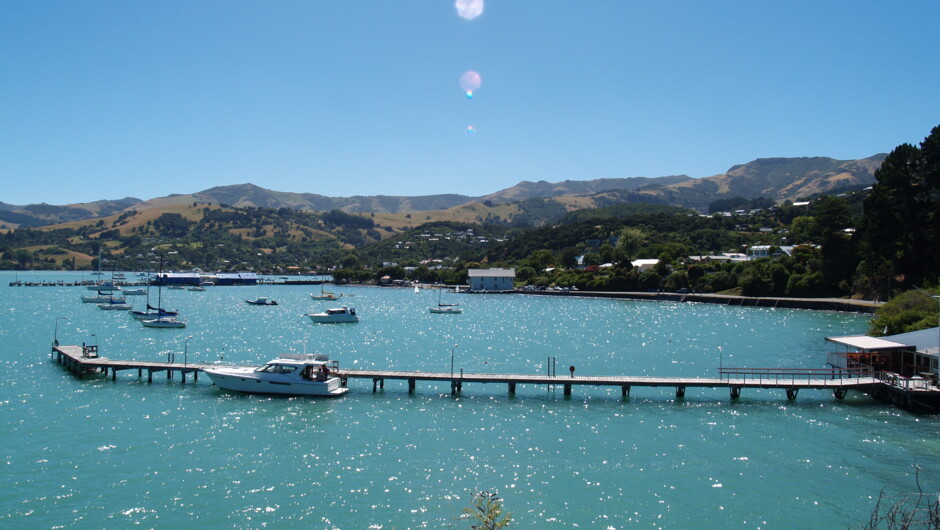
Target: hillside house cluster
<point>462,236</point>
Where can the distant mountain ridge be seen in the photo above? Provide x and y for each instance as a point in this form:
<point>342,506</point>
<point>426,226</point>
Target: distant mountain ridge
<point>242,195</point>
<point>776,178</point>
<point>33,215</point>
<point>542,189</point>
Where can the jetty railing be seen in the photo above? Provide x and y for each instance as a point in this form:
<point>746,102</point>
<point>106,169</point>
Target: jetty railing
<point>789,375</point>
<point>907,383</point>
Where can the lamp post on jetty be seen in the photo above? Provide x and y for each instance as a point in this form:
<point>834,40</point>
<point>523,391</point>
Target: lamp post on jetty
<point>452,361</point>
<point>720,361</point>
<point>55,333</point>
<point>186,350</point>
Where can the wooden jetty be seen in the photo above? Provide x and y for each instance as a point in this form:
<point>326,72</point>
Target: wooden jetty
<point>734,379</point>
<point>908,393</point>
<point>84,359</point>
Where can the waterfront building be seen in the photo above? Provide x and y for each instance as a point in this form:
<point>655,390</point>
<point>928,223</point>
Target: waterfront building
<point>491,279</point>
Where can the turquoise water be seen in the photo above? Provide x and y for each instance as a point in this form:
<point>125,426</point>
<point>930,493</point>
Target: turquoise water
<point>93,453</point>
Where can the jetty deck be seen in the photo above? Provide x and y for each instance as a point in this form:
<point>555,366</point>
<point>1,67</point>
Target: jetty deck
<point>908,393</point>
<point>82,360</point>
<point>791,380</point>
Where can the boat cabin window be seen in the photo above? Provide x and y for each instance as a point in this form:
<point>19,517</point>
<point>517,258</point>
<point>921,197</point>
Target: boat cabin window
<point>276,369</point>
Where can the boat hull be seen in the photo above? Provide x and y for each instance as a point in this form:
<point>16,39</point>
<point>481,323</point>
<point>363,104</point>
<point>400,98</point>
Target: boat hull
<point>114,307</point>
<point>445,310</point>
<point>142,315</point>
<point>100,299</point>
<point>246,380</point>
<point>163,323</point>
<point>333,319</point>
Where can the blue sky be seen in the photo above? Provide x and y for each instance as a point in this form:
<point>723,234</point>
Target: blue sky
<point>107,99</point>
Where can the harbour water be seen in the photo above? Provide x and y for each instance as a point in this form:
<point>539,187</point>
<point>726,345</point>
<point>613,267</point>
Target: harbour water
<point>93,453</point>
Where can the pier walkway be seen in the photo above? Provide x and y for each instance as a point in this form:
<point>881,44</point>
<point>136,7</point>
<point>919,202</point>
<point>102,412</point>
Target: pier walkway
<point>909,393</point>
<point>82,360</point>
<point>735,379</point>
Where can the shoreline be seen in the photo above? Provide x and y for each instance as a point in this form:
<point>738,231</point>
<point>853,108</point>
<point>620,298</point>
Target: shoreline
<point>816,304</point>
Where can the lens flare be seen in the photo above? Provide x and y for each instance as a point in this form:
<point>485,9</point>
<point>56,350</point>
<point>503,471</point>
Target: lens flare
<point>470,130</point>
<point>469,82</point>
<point>469,9</point>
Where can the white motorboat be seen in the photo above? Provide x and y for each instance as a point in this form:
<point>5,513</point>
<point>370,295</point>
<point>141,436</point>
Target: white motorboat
<point>133,292</point>
<point>164,322</point>
<point>289,374</point>
<point>261,301</point>
<point>335,315</point>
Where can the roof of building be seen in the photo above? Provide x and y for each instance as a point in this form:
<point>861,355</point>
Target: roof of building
<point>925,340</point>
<point>864,342</point>
<point>491,273</point>
<point>237,275</point>
<point>178,275</point>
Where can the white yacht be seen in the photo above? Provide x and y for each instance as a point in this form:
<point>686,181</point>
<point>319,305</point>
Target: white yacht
<point>446,310</point>
<point>101,298</point>
<point>114,304</point>
<point>290,374</point>
<point>164,322</point>
<point>336,315</point>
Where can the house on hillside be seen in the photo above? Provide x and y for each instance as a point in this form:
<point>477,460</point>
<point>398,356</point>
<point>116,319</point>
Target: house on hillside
<point>758,251</point>
<point>491,279</point>
<point>644,265</point>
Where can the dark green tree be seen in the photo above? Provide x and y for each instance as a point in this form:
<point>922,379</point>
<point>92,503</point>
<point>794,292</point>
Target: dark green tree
<point>899,225</point>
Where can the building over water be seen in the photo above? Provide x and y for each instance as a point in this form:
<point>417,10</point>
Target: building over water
<point>913,354</point>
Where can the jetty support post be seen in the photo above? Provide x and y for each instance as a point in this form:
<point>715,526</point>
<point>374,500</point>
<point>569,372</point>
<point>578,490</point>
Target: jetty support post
<point>411,385</point>
<point>680,392</point>
<point>840,393</point>
<point>792,392</point>
<point>735,392</point>
<point>567,389</point>
<point>512,389</point>
<point>625,391</point>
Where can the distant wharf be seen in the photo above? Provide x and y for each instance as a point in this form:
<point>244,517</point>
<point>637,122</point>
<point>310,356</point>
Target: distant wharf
<point>908,393</point>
